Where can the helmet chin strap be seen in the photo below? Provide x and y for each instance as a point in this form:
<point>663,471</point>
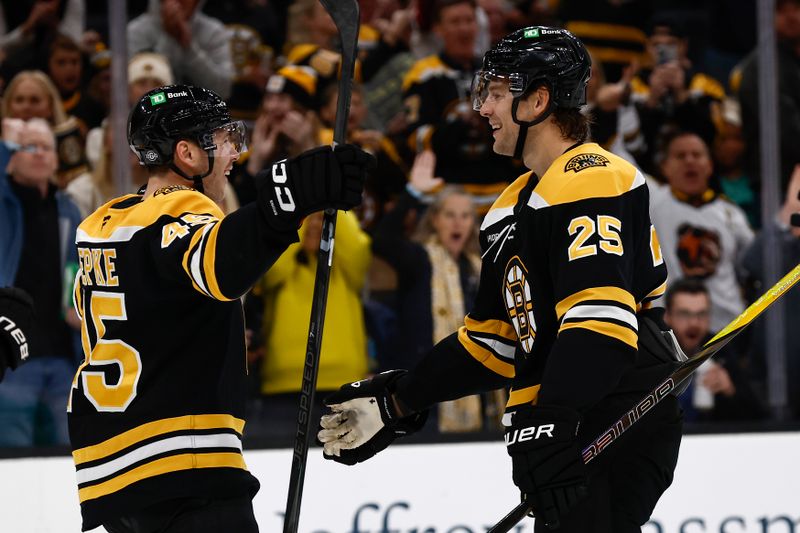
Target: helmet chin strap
<point>525,124</point>
<point>197,179</point>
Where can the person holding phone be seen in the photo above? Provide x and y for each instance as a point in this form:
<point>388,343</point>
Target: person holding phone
<point>670,93</point>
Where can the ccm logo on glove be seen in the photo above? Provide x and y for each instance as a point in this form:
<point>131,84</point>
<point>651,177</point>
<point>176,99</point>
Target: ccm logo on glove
<point>283,194</point>
<point>529,433</point>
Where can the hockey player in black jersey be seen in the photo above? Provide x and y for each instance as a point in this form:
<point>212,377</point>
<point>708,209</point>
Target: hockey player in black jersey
<point>156,408</point>
<point>571,264</point>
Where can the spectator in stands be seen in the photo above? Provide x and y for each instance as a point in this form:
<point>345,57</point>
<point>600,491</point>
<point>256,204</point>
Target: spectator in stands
<point>615,120</point>
<point>27,27</point>
<point>719,390</point>
<point>437,278</point>
<point>312,42</point>
<point>613,31</point>
<point>65,68</point>
<point>439,112</point>
<point>729,148</point>
<point>146,71</point>
<point>31,94</point>
<point>287,289</point>
<point>388,179</point>
<point>256,37</point>
<point>287,125</point>
<point>789,240</point>
<point>787,31</point>
<point>196,45</point>
<point>702,234</point>
<point>670,94</point>
<point>38,255</point>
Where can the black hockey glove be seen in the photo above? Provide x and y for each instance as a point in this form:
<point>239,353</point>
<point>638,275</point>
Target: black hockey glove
<point>364,420</point>
<point>16,318</point>
<point>313,181</point>
<point>547,465</point>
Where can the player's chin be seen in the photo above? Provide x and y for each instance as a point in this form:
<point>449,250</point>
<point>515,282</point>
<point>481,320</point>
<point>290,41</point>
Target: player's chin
<point>501,149</point>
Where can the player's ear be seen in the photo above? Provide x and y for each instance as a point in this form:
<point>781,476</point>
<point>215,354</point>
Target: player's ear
<point>185,153</point>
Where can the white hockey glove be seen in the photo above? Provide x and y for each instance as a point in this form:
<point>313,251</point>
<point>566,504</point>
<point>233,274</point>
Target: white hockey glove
<point>364,419</point>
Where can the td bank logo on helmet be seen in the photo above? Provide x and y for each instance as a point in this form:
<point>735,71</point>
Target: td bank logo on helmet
<point>161,97</point>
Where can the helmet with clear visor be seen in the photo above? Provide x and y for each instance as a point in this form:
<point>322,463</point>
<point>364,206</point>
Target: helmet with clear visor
<point>166,115</point>
<point>532,57</point>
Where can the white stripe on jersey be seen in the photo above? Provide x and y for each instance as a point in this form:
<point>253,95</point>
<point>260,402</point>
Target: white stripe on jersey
<point>536,201</point>
<point>197,256</point>
<point>496,215</point>
<point>182,442</point>
<point>638,180</point>
<point>499,348</point>
<point>600,312</point>
<point>121,234</point>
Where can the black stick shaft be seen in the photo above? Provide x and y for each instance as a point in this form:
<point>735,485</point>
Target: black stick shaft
<point>345,15</point>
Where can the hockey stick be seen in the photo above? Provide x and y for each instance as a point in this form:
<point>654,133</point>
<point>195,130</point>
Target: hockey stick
<point>345,15</point>
<point>667,386</point>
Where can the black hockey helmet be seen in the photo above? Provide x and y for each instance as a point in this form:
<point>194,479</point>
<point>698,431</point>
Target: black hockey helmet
<point>168,114</point>
<point>532,57</point>
<point>535,56</point>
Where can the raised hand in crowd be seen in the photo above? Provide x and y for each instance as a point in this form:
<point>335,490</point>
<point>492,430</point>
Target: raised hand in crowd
<point>422,178</point>
<point>176,22</point>
<point>611,95</point>
<point>44,12</point>
<point>667,79</point>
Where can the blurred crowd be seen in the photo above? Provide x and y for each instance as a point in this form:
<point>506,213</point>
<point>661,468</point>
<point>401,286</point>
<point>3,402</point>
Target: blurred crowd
<point>674,89</point>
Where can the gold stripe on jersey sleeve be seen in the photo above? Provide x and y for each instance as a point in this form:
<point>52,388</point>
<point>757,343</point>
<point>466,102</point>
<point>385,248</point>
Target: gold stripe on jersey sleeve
<point>484,356</point>
<point>609,329</point>
<point>152,429</point>
<point>611,176</point>
<point>161,466</point>
<point>614,294</point>
<point>521,396</point>
<point>494,327</point>
<point>657,292</point>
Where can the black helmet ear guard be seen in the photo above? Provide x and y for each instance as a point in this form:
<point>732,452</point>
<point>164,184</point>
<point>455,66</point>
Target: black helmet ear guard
<point>530,58</point>
<point>166,115</point>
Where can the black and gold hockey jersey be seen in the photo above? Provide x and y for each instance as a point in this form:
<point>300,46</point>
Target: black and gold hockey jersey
<point>156,408</point>
<point>568,261</point>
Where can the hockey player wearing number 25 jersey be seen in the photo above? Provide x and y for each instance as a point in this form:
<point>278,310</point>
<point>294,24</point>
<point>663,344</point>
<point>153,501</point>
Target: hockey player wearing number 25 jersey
<point>156,409</point>
<point>570,265</point>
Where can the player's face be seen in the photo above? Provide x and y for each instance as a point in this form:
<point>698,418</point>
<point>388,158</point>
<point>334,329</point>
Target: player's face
<point>454,222</point>
<point>687,166</point>
<point>690,319</point>
<point>225,156</point>
<point>497,108</point>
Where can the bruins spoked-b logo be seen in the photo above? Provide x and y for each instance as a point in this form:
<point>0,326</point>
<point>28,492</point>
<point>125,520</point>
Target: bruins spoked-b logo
<point>584,161</point>
<point>517,296</point>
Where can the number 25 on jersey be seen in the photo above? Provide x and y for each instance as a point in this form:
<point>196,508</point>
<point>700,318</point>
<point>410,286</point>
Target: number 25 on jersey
<point>584,228</point>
